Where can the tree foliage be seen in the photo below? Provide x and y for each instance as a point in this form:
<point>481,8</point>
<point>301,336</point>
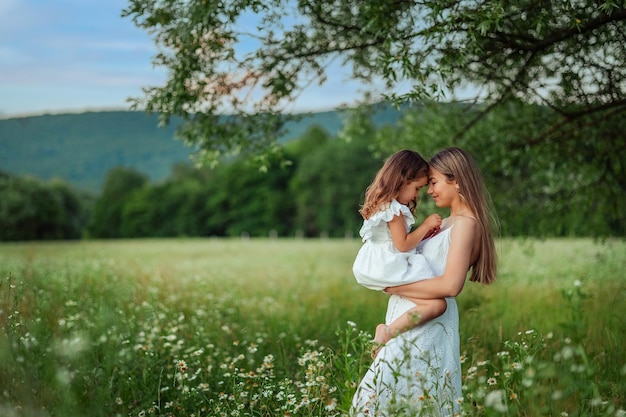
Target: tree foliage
<point>119,184</point>
<point>252,58</point>
<point>566,59</point>
<point>246,201</point>
<point>33,210</point>
<point>329,186</point>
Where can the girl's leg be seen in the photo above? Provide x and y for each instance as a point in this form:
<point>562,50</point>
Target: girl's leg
<point>424,311</point>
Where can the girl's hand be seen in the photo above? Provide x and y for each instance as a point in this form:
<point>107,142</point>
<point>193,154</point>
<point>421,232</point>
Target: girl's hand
<point>433,223</point>
<point>431,232</point>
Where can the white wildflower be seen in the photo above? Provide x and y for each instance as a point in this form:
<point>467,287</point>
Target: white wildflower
<point>496,401</point>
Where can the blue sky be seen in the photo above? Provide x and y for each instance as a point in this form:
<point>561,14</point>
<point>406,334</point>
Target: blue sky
<point>78,55</point>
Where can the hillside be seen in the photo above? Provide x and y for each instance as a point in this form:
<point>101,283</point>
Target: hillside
<point>81,148</point>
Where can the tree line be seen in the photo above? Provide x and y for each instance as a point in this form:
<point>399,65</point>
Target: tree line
<point>33,210</point>
<point>316,193</point>
<point>316,186</point>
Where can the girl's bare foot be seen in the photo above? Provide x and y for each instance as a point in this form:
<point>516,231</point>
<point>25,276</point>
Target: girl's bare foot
<point>380,338</point>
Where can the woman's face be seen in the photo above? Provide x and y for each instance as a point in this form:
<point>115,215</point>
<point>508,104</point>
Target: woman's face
<point>442,190</point>
<point>409,191</point>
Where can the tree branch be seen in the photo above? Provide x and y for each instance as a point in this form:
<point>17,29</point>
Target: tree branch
<point>561,34</point>
<point>615,108</point>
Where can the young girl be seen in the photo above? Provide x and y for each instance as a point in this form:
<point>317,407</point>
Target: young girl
<point>388,257</point>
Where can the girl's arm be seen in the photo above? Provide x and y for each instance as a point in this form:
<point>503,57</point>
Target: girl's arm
<point>404,241</point>
<point>460,257</point>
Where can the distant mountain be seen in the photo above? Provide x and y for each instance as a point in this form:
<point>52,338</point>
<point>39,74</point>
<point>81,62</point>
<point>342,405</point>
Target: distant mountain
<point>81,148</point>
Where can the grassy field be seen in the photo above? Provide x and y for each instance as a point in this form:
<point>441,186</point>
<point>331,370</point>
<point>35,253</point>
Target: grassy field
<point>210,327</point>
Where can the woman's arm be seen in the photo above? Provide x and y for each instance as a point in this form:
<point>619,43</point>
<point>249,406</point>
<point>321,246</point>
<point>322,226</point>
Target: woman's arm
<point>460,256</point>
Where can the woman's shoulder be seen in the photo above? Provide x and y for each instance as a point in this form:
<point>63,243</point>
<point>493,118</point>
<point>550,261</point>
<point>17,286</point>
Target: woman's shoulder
<point>464,232</point>
<point>461,223</point>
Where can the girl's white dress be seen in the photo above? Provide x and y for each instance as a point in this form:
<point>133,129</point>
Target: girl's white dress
<point>378,263</point>
<point>417,373</point>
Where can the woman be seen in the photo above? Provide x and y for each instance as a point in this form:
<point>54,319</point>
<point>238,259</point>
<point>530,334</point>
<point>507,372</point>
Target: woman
<point>419,371</point>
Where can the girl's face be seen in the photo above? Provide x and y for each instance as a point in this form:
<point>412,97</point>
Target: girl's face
<point>444,192</point>
<point>409,191</point>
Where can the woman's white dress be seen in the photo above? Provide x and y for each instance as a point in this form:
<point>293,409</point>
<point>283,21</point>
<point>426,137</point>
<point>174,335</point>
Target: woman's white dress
<point>417,373</point>
<point>378,264</point>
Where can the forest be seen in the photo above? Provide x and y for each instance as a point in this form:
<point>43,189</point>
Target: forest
<point>313,187</point>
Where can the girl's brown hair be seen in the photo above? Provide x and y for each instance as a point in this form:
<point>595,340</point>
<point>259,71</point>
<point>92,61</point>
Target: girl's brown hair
<point>457,164</point>
<point>400,169</point>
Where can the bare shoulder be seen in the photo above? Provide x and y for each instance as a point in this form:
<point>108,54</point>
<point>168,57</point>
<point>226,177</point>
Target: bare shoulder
<point>465,238</point>
<point>463,222</point>
<point>464,227</point>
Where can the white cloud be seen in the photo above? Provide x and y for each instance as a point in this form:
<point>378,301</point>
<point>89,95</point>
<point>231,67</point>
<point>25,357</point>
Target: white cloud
<point>70,54</point>
<point>77,54</point>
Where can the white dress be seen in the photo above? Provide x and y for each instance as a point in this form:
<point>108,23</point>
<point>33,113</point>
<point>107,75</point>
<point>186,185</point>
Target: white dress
<point>378,263</point>
<point>417,373</point>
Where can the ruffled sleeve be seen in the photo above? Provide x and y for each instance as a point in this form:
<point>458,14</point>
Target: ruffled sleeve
<point>383,216</point>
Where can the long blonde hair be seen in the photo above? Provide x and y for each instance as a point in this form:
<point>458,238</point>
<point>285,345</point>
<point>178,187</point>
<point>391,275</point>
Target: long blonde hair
<point>398,170</point>
<point>457,164</point>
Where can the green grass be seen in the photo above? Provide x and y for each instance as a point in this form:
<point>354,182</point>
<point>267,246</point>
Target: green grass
<point>211,327</point>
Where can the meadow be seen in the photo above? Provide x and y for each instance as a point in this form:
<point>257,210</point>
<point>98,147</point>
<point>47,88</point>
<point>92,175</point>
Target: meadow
<point>260,327</point>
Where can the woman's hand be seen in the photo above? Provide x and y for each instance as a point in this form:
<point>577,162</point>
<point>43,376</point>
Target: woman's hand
<point>400,289</point>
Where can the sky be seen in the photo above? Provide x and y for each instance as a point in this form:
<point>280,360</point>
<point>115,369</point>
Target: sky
<point>70,56</point>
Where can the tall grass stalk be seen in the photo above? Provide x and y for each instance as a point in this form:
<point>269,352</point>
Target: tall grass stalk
<point>205,327</point>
